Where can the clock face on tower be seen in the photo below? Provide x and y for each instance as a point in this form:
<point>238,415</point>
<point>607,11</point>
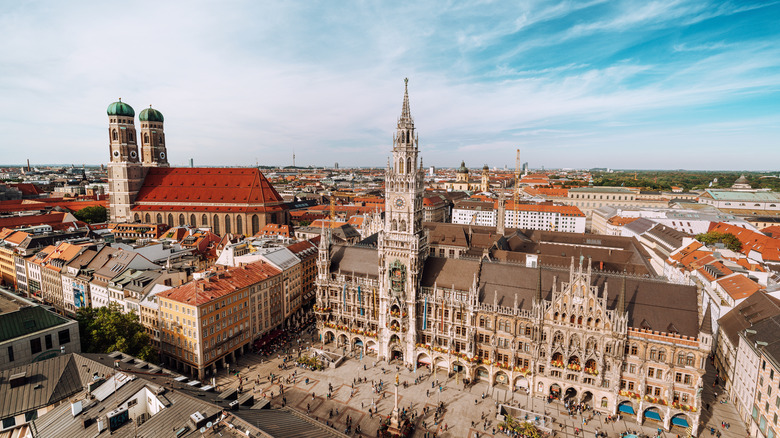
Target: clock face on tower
<point>399,202</point>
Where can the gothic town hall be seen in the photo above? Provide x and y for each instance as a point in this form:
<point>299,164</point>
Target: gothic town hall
<point>627,344</point>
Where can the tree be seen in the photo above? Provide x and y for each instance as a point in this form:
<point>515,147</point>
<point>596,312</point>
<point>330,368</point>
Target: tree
<point>92,215</point>
<point>729,240</point>
<point>108,329</point>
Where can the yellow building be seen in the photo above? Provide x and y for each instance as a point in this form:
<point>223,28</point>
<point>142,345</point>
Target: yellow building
<point>205,324</point>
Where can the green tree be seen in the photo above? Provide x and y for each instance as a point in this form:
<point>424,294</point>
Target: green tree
<point>729,240</point>
<point>92,215</point>
<point>108,329</point>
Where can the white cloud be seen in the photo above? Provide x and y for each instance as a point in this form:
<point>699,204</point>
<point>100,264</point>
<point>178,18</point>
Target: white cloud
<point>245,82</point>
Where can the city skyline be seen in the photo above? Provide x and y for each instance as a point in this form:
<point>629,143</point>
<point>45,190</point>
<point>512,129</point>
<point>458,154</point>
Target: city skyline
<point>680,84</point>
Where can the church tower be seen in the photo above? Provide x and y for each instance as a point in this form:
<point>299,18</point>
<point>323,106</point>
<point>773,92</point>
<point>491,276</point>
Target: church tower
<point>153,153</point>
<point>485,183</point>
<point>125,174</point>
<point>403,245</point>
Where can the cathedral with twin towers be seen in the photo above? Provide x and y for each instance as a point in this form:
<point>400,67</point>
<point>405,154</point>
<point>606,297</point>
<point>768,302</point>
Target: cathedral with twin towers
<point>622,344</point>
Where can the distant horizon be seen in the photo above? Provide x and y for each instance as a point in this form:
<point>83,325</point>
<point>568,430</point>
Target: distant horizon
<point>476,168</point>
<point>665,84</point>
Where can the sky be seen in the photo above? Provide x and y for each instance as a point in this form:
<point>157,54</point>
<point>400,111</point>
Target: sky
<point>631,84</point>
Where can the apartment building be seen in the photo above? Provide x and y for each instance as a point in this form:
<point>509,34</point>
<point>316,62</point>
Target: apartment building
<point>206,323</point>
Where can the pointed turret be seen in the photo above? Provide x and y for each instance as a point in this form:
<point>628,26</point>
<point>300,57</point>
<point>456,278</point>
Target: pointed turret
<point>706,322</point>
<point>538,296</point>
<point>621,301</point>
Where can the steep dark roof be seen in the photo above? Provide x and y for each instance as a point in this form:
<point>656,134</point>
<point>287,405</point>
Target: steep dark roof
<point>754,309</point>
<point>657,304</point>
<point>353,259</point>
<point>448,273</point>
<point>47,382</point>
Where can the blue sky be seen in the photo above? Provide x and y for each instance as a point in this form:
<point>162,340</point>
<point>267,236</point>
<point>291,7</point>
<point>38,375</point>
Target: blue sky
<point>630,84</point>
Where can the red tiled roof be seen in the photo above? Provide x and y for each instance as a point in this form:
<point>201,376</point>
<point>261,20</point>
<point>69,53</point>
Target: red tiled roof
<point>738,286</point>
<point>45,203</point>
<point>52,218</point>
<point>27,188</point>
<point>199,292</point>
<point>620,220</point>
<point>173,185</point>
<point>275,230</point>
<point>768,247</point>
<point>17,237</point>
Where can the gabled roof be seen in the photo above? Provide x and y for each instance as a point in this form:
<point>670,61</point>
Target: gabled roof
<point>47,382</point>
<point>752,310</point>
<point>223,282</point>
<point>173,185</point>
<point>738,286</point>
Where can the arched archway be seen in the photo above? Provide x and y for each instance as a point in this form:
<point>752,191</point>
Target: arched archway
<point>521,383</point>
<point>441,363</point>
<point>681,422</point>
<point>342,340</point>
<point>653,414</point>
<point>626,408</point>
<point>423,360</point>
<point>328,337</point>
<point>371,347</point>
<point>357,344</point>
<point>604,402</point>
<point>459,367</point>
<point>587,398</point>
<point>570,394</point>
<point>501,379</point>
<point>481,373</point>
<point>555,391</point>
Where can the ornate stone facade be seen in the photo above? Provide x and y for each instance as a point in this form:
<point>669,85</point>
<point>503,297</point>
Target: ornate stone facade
<point>620,344</point>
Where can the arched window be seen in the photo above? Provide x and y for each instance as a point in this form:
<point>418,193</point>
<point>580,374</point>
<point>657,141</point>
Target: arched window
<point>159,218</point>
<point>227,224</point>
<point>401,165</point>
<point>653,354</point>
<point>409,165</point>
<point>215,224</point>
<point>239,225</point>
<point>192,220</point>
<point>393,225</point>
<point>136,218</point>
<point>181,219</point>
<point>403,226</point>
<point>407,136</point>
<point>204,220</point>
<point>681,358</point>
<point>255,224</point>
<point>170,219</point>
<point>662,355</point>
<point>114,135</point>
<point>689,360</point>
<point>146,138</point>
<point>147,219</point>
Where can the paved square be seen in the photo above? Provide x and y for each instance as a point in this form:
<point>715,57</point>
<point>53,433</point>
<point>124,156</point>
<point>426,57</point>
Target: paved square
<point>466,412</point>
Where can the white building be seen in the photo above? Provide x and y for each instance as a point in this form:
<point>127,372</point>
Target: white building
<point>526,216</point>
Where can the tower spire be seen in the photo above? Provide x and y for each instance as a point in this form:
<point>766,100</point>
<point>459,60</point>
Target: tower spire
<point>406,114</point>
